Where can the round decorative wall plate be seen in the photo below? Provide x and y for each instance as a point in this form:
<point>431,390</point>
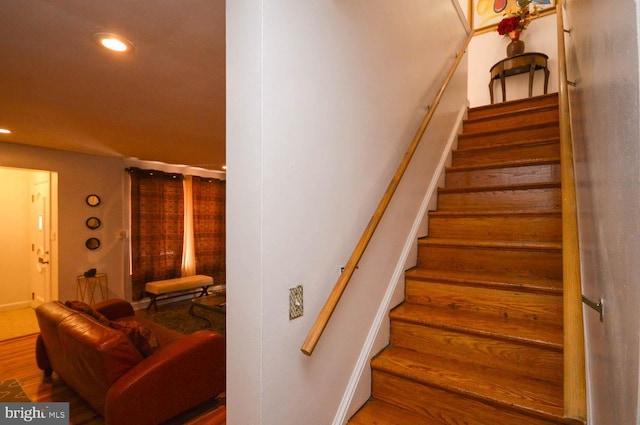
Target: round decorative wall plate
<point>93,200</point>
<point>92,243</point>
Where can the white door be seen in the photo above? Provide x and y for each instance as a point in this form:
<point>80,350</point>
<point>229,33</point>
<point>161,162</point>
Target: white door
<point>40,239</point>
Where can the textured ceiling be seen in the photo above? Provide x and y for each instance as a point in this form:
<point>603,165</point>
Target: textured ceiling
<point>163,102</point>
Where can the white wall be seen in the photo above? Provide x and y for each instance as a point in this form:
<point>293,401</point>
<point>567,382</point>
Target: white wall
<point>323,98</point>
<point>15,289</point>
<point>488,48</point>
<point>603,59</point>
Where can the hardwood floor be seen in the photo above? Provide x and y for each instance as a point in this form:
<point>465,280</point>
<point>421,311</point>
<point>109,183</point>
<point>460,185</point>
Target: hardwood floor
<point>17,361</point>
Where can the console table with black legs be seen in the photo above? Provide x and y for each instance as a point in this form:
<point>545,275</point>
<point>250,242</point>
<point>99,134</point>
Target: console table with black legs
<point>519,64</point>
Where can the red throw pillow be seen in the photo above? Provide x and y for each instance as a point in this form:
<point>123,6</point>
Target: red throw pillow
<point>85,308</point>
<point>140,336</point>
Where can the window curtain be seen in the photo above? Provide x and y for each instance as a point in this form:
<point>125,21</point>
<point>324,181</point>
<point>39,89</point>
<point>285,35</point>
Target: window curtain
<point>209,197</point>
<point>157,222</point>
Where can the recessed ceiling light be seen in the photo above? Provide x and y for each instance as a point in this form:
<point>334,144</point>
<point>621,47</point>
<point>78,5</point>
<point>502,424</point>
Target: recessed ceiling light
<point>112,42</point>
<point>5,131</point>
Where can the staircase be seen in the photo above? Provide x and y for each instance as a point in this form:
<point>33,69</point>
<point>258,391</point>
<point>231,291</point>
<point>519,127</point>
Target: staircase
<point>478,339</point>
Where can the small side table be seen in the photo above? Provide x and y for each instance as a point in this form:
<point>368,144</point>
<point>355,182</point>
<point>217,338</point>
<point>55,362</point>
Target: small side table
<point>519,64</point>
<point>87,287</point>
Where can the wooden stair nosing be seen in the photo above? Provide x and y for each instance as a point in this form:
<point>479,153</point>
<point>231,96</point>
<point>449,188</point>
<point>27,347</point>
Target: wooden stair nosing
<point>501,187</point>
<point>503,164</point>
<point>502,282</point>
<point>486,133</point>
<point>490,326</point>
<point>474,382</point>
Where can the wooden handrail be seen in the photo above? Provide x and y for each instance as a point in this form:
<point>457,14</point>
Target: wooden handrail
<point>330,305</point>
<point>575,388</point>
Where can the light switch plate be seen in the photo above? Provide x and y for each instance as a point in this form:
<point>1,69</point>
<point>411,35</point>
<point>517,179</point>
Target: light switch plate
<point>296,308</point>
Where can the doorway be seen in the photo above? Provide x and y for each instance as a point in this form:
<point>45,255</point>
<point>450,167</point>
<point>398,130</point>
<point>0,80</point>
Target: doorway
<point>28,229</point>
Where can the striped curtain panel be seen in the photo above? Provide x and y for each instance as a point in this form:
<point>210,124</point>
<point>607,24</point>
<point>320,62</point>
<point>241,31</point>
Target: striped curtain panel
<point>157,222</point>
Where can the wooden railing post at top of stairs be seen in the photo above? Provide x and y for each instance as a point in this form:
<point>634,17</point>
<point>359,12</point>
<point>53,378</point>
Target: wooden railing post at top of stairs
<point>575,396</point>
<point>334,297</point>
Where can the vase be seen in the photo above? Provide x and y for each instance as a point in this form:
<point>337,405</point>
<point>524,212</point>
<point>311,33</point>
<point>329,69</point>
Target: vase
<point>516,46</point>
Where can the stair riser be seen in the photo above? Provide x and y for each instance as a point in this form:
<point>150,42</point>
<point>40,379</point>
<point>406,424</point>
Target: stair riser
<point>507,137</point>
<point>450,408</point>
<point>500,109</point>
<point>503,227</point>
<point>470,157</point>
<point>545,173</point>
<point>508,122</point>
<point>515,358</point>
<point>548,199</point>
<point>545,308</point>
<point>543,264</point>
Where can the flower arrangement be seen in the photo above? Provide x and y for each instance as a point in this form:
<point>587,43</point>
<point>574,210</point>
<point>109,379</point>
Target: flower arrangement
<point>515,22</point>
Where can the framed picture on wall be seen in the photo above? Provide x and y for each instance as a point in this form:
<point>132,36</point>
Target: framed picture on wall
<point>485,14</point>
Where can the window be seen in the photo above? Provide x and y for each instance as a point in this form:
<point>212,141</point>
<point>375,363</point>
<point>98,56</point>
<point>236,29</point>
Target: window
<point>161,246</point>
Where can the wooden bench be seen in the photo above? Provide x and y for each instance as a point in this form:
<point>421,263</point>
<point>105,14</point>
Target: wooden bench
<point>171,288</point>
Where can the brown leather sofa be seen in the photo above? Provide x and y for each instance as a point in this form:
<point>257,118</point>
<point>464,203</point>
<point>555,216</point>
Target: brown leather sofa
<point>107,370</point>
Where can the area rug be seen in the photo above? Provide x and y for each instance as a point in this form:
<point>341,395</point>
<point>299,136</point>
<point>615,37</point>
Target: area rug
<point>11,391</point>
<point>176,316</point>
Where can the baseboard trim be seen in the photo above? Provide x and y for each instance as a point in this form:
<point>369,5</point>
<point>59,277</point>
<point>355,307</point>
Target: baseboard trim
<point>15,306</point>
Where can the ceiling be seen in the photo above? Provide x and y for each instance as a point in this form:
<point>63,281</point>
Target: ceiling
<point>165,101</point>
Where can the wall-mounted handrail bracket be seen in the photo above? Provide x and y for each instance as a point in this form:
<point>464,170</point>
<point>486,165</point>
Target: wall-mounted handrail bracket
<point>597,306</point>
<point>343,267</point>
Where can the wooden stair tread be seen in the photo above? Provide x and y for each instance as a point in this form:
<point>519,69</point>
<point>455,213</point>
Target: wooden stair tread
<point>516,113</point>
<point>379,412</point>
<point>538,398</point>
<point>501,281</point>
<point>535,115</point>
<point>484,133</point>
<point>493,188</point>
<point>498,108</point>
<point>538,141</point>
<point>485,213</point>
<point>523,245</point>
<point>503,164</point>
<point>523,331</point>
